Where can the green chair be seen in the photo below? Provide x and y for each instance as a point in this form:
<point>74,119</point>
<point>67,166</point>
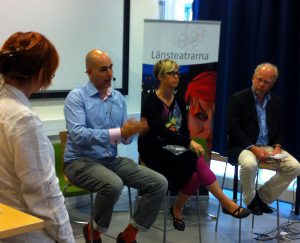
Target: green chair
<point>65,186</point>
<point>67,189</point>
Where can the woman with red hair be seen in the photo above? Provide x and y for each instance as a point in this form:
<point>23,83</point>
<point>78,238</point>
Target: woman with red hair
<point>168,149</point>
<point>200,98</point>
<point>28,180</point>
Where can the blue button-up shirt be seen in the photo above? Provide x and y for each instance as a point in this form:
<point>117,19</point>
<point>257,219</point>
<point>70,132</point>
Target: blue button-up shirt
<point>89,120</point>
<point>262,121</point>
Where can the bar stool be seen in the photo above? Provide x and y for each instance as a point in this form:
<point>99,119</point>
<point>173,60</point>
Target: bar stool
<point>261,165</point>
<point>216,156</point>
<point>166,206</point>
<point>268,166</point>
<point>166,203</point>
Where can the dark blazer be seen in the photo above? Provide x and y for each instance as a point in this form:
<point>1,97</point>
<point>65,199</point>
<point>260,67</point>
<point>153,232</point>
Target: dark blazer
<point>242,122</point>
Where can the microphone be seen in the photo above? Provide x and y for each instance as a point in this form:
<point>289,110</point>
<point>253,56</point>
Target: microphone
<point>114,79</point>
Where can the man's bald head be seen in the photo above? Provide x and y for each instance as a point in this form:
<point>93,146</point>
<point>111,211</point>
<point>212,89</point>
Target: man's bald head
<point>263,79</point>
<point>267,67</point>
<point>93,57</point>
<point>99,69</point>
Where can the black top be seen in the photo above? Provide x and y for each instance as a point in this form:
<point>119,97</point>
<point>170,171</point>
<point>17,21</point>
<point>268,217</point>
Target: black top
<point>242,122</point>
<point>168,126</point>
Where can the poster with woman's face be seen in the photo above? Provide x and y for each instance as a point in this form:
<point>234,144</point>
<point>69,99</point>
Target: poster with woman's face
<point>194,45</point>
<point>199,94</point>
<point>197,86</point>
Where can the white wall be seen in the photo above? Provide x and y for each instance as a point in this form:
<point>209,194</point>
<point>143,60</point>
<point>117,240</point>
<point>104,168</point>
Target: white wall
<point>51,110</point>
<point>140,10</point>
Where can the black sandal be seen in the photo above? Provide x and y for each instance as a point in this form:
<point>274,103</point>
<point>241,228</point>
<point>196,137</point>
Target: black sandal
<point>238,213</point>
<point>177,223</point>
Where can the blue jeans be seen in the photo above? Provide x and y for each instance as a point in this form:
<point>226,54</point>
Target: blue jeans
<point>107,179</point>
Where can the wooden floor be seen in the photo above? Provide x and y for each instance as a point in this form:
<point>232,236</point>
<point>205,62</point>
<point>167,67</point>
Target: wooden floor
<point>227,231</point>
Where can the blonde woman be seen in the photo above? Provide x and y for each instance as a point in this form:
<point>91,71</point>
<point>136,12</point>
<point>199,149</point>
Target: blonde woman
<point>168,149</point>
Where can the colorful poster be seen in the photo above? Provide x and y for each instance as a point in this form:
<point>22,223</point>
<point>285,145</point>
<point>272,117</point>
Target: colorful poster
<point>194,45</point>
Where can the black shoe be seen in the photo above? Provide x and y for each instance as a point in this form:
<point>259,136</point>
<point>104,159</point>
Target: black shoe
<point>264,207</point>
<point>120,240</point>
<point>254,206</point>
<point>86,234</point>
<point>257,211</point>
<point>239,213</point>
<point>177,223</point>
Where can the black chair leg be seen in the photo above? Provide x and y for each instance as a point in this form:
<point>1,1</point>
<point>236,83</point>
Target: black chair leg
<point>92,218</point>
<point>219,204</point>
<point>235,182</point>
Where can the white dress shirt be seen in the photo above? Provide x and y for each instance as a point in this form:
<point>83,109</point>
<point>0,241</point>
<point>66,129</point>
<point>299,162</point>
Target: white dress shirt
<point>28,180</point>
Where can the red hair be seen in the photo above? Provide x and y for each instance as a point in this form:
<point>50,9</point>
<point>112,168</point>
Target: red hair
<point>202,86</point>
<point>24,54</point>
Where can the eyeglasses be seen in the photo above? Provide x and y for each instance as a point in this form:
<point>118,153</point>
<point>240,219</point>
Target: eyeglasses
<point>261,80</point>
<point>173,73</point>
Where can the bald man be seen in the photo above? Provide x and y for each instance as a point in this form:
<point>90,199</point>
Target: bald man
<point>255,132</point>
<point>96,119</point>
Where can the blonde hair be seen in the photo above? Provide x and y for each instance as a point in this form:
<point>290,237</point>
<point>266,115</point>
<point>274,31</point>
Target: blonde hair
<point>162,67</point>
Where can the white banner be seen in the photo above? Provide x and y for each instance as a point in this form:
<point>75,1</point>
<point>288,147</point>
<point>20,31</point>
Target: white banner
<point>194,45</point>
<point>186,42</point>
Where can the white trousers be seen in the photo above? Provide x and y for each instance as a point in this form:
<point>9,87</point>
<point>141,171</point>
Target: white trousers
<point>288,169</point>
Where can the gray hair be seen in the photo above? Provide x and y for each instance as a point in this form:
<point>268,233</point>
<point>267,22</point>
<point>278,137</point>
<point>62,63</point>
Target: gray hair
<point>269,65</point>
